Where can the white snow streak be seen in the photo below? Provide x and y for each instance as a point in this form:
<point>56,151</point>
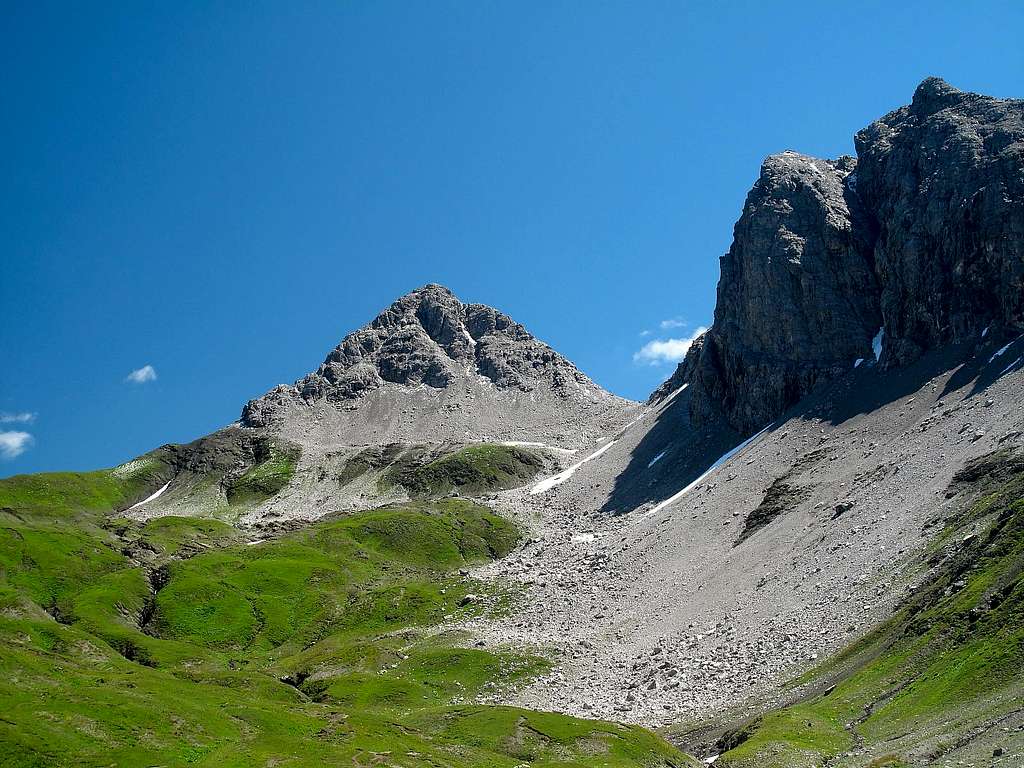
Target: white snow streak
<point>548,483</point>
<point>565,474</point>
<point>656,459</point>
<point>1010,365</point>
<point>719,462</point>
<point>857,362</point>
<point>149,499</point>
<point>1001,350</point>
<point>876,343</point>
<point>671,397</point>
<point>985,332</point>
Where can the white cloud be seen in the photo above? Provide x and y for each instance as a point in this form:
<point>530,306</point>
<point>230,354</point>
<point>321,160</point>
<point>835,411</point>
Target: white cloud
<point>13,444</point>
<point>663,351</point>
<point>644,333</point>
<point>142,375</point>
<point>17,418</point>
<point>672,322</point>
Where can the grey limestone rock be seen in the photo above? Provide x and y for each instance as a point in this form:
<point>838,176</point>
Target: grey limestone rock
<point>923,235</point>
<point>429,338</point>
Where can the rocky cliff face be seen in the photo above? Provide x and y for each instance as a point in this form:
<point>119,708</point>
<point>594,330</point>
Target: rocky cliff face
<point>798,298</point>
<point>943,180</point>
<point>922,234</point>
<point>431,367</point>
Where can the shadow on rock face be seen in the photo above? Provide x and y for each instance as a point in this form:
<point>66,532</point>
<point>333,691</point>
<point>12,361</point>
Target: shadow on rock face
<point>674,452</point>
<point>870,389</point>
<point>989,362</point>
<point>669,457</point>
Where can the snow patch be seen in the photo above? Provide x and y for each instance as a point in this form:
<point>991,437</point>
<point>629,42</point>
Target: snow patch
<point>857,362</point>
<point>672,397</point>
<point>1001,350</point>
<point>1010,365</point>
<point>581,538</point>
<point>150,498</point>
<point>984,333</point>
<point>656,459</point>
<point>876,343</point>
<point>547,484</point>
<point>718,462</point>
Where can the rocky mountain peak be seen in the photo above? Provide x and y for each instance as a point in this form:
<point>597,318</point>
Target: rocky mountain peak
<point>433,309</point>
<point>934,94</point>
<point>429,338</point>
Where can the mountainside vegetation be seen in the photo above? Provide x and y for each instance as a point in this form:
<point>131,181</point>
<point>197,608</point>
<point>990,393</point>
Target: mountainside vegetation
<point>472,469</point>
<point>182,641</point>
<point>275,469</point>
<point>950,661</point>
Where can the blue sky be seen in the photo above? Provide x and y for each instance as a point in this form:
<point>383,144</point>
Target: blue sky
<point>221,191</point>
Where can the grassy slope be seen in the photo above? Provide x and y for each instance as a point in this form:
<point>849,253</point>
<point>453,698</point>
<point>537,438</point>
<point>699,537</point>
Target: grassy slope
<point>312,648</point>
<point>81,494</point>
<point>473,469</point>
<point>266,478</point>
<point>950,662</point>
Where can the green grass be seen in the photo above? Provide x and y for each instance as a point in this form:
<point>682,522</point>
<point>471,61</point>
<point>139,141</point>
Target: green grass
<point>81,493</point>
<point>547,739</point>
<point>448,533</point>
<point>315,647</point>
<point>174,535</point>
<point>421,676</point>
<point>370,572</point>
<point>471,470</point>
<point>50,565</point>
<point>270,475</point>
<point>949,661</point>
<point>796,736</point>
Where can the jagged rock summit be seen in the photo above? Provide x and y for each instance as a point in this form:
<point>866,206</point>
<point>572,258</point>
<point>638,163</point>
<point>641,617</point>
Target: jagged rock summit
<point>915,244</point>
<point>432,368</point>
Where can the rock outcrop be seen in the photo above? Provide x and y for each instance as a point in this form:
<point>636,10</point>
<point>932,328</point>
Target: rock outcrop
<point>798,298</point>
<point>943,180</point>
<point>923,235</point>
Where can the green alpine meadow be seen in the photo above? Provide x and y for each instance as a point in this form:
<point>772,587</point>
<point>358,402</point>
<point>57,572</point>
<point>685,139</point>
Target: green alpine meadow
<point>323,643</point>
